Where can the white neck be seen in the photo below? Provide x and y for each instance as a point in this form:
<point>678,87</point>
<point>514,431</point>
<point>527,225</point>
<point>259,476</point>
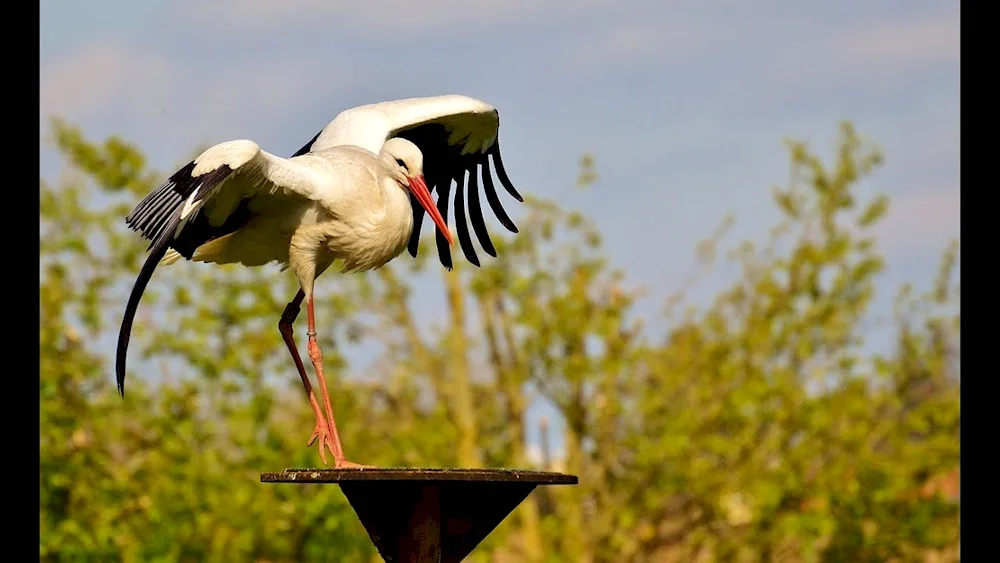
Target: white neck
<point>396,224</point>
<point>397,202</point>
<point>369,240</point>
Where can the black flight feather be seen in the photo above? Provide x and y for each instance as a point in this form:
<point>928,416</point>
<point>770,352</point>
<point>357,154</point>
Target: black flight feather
<point>158,217</point>
<point>442,163</point>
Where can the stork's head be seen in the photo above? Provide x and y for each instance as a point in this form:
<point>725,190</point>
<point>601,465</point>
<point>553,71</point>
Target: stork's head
<point>404,159</point>
<point>405,164</point>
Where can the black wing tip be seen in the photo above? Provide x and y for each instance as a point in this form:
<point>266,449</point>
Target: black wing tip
<point>151,215</point>
<point>444,250</point>
<point>502,172</point>
<point>470,254</point>
<point>308,146</point>
<point>476,209</point>
<point>434,136</point>
<point>154,216</point>
<point>145,273</point>
<point>418,218</point>
<point>461,218</point>
<point>473,259</point>
<point>120,366</point>
<point>491,197</point>
<point>443,188</point>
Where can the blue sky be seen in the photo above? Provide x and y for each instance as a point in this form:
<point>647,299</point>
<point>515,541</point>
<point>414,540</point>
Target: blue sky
<point>684,103</point>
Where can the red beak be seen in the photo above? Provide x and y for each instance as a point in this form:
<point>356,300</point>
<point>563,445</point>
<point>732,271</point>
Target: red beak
<point>423,195</point>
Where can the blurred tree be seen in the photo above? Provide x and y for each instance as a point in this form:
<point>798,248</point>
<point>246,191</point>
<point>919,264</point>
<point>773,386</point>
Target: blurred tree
<point>758,428</point>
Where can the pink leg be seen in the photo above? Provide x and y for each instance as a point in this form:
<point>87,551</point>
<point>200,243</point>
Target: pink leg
<point>316,355</point>
<point>322,429</point>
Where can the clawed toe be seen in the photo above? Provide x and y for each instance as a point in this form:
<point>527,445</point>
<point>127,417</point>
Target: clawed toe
<point>322,433</point>
<point>344,464</point>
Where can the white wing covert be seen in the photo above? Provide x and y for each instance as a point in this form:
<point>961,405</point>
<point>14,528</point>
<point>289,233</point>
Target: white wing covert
<point>206,199</point>
<point>458,137</point>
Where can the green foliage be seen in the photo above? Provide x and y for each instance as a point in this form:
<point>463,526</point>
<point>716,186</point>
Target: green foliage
<point>758,428</point>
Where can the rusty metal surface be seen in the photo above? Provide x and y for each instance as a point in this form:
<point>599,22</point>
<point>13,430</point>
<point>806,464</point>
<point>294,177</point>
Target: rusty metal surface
<point>305,475</point>
<point>427,514</point>
<point>433,521</point>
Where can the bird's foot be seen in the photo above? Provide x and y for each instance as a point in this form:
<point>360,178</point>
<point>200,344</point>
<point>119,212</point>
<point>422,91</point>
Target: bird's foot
<point>344,464</point>
<point>322,432</point>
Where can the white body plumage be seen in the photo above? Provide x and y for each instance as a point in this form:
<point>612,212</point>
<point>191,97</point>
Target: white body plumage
<point>356,192</point>
<point>337,204</point>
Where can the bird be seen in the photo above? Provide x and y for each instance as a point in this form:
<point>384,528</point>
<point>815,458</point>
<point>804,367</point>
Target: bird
<point>356,192</point>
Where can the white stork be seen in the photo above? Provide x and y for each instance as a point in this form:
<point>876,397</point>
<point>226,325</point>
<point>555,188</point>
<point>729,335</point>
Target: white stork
<point>356,192</point>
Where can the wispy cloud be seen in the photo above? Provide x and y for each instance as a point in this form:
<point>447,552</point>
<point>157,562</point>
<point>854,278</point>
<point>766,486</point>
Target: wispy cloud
<point>124,85</point>
<point>636,42</point>
<point>101,75</point>
<point>885,54</point>
<point>898,46</point>
<point>377,18</point>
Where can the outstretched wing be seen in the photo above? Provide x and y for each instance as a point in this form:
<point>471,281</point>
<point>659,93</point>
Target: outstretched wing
<point>206,199</point>
<point>458,136</point>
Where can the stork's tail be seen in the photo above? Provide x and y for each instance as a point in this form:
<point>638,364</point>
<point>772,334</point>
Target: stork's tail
<point>158,252</point>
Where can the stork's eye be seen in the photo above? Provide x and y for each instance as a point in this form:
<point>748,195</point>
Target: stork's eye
<point>400,162</point>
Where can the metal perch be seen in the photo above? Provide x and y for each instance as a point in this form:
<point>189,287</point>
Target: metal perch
<point>433,515</point>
